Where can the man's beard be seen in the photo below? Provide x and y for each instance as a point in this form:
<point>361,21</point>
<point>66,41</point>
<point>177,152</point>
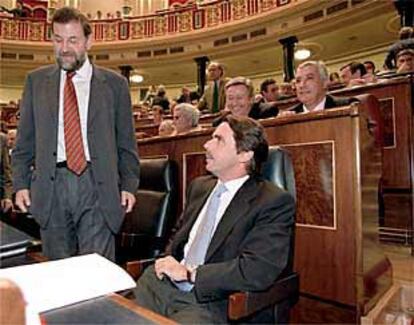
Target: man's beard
<point>71,66</point>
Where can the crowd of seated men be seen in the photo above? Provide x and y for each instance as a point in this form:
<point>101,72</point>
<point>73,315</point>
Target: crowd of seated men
<point>236,96</point>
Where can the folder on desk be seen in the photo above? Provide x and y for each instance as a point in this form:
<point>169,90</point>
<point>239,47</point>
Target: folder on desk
<point>13,242</point>
<point>55,284</point>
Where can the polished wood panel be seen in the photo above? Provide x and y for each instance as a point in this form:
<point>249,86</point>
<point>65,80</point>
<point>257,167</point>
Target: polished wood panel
<point>396,172</point>
<point>314,168</point>
<point>388,114</point>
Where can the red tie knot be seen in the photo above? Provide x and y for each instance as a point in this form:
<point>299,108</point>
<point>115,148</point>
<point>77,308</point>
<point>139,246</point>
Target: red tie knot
<point>70,74</point>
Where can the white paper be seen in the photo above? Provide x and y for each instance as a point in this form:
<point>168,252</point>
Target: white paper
<point>55,284</point>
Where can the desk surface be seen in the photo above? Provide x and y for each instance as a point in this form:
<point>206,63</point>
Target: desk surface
<point>110,309</point>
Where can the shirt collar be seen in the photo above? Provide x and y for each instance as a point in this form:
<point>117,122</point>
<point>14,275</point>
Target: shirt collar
<point>84,72</point>
<point>319,107</point>
<point>234,185</point>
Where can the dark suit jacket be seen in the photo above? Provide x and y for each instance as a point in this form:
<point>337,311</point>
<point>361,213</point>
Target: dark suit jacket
<point>262,109</point>
<point>5,171</point>
<point>259,110</point>
<point>390,59</point>
<point>251,244</point>
<point>331,102</point>
<point>111,141</point>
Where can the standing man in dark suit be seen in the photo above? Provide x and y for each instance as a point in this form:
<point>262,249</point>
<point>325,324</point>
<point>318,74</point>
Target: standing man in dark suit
<point>235,232</point>
<point>312,79</point>
<point>75,164</point>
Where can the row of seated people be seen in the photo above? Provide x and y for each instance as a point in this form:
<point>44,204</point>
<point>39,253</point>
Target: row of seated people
<point>351,74</point>
<point>312,80</point>
<point>312,83</point>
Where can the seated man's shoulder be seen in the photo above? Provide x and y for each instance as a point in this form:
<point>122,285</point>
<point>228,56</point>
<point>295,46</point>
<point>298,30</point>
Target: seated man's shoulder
<point>270,189</point>
<point>203,181</point>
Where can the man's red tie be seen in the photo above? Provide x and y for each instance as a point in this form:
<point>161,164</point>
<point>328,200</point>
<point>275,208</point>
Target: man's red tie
<point>75,154</point>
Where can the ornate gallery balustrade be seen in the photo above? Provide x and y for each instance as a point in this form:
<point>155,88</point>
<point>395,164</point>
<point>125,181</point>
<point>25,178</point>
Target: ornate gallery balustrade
<point>163,23</point>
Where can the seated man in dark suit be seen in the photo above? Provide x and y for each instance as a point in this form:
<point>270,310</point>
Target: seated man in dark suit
<point>234,235</point>
<point>239,101</point>
<point>312,80</point>
<point>266,101</point>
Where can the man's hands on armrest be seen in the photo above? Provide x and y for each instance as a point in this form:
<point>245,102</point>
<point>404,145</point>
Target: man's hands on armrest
<point>169,266</point>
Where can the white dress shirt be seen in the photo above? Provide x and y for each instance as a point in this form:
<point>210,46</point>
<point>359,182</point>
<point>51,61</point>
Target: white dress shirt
<point>319,107</point>
<point>232,187</point>
<point>82,83</point>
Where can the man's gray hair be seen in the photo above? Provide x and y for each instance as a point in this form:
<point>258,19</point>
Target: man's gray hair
<point>320,66</point>
<point>241,81</point>
<point>190,111</point>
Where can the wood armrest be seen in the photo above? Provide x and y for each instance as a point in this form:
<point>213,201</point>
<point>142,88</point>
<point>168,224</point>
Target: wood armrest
<point>136,268</point>
<point>242,304</point>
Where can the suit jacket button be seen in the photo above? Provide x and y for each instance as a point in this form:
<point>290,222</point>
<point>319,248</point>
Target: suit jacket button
<point>52,178</point>
<point>54,154</point>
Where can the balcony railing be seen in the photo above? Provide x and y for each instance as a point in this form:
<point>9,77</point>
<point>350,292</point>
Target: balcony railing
<point>163,23</point>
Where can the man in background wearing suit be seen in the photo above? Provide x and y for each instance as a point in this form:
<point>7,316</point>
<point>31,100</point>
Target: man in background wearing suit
<point>75,164</point>
<point>240,102</point>
<point>235,232</point>
<point>5,176</point>
<point>312,79</point>
<point>214,97</point>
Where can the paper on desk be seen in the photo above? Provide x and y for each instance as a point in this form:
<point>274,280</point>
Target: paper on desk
<point>55,284</point>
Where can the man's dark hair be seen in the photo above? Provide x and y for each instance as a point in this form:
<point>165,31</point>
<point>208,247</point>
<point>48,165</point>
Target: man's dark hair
<point>405,51</point>
<point>249,135</point>
<point>406,32</point>
<point>371,63</point>
<point>265,84</point>
<point>67,14</point>
<point>354,67</point>
<point>358,66</point>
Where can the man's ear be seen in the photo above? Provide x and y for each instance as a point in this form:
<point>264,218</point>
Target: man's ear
<point>89,42</point>
<point>245,156</point>
<point>326,84</point>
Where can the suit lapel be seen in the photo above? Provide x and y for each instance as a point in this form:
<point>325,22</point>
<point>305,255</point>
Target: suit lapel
<point>97,94</point>
<point>237,207</point>
<point>198,204</point>
<point>330,102</point>
<point>53,89</point>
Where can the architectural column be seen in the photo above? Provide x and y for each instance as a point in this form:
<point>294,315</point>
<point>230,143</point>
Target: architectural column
<point>288,57</point>
<point>406,11</point>
<point>126,71</point>
<point>201,73</point>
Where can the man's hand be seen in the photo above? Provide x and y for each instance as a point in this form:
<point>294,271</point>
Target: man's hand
<point>286,113</point>
<point>127,201</point>
<point>6,204</point>
<point>23,200</point>
<point>170,267</point>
